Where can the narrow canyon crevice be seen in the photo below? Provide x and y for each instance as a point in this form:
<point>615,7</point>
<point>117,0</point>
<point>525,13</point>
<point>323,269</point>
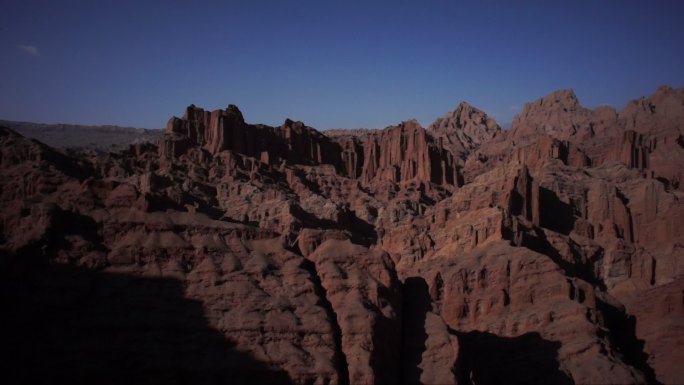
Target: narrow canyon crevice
<point>340,356</point>
<point>416,305</point>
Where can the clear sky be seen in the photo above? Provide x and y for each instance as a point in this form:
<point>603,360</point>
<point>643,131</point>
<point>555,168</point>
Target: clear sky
<point>329,63</point>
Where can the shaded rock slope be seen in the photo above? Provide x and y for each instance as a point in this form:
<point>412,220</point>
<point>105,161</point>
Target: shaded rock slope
<point>232,252</point>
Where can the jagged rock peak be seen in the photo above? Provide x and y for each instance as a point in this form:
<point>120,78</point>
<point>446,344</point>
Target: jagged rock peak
<point>661,113</point>
<point>233,110</point>
<point>464,128</point>
<point>665,91</point>
<point>564,98</point>
<point>558,114</point>
<point>558,102</point>
<point>467,118</point>
<point>296,124</point>
<point>411,123</point>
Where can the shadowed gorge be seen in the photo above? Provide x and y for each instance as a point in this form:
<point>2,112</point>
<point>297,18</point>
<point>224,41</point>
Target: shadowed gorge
<point>488,359</point>
<point>76,325</point>
<point>416,306</point>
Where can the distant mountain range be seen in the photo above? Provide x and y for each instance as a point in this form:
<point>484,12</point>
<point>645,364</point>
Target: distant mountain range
<point>98,138</point>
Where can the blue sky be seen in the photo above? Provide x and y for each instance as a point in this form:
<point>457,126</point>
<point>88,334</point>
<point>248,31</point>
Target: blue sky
<point>329,63</point>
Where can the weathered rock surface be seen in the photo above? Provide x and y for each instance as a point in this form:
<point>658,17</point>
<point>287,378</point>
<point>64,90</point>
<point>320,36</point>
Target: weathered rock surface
<point>464,129</point>
<point>459,254</point>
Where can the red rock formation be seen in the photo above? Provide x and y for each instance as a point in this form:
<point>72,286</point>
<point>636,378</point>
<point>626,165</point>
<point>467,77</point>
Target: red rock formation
<point>396,154</point>
<point>406,153</point>
<point>644,135</point>
<point>464,129</point>
<point>222,130</point>
<point>549,253</point>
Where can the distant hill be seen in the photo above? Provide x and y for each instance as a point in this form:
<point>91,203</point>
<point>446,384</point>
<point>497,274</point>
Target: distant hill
<point>99,138</point>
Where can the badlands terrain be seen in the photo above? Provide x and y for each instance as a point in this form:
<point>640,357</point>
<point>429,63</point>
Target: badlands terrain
<point>461,253</point>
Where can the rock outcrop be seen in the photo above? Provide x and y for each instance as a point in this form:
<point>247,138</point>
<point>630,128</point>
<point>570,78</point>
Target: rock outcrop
<point>407,153</point>
<point>464,129</point>
<point>459,254</point>
<point>222,130</point>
